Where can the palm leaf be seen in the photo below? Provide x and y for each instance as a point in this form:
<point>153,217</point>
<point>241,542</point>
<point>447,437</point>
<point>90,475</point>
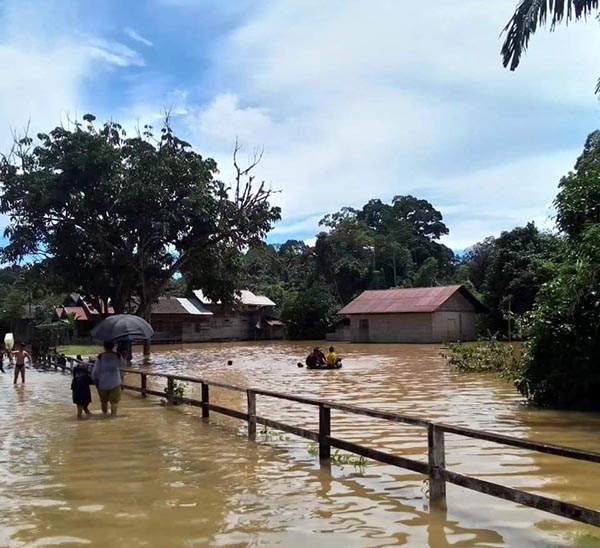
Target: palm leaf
<point>530,14</point>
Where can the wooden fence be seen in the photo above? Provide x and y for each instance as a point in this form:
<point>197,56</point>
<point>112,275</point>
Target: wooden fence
<point>434,468</point>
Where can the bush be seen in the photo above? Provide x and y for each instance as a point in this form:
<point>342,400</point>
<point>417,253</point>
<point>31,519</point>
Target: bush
<point>561,366</point>
<point>483,356</point>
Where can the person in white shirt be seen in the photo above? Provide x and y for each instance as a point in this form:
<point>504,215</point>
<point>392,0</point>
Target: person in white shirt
<point>107,376</point>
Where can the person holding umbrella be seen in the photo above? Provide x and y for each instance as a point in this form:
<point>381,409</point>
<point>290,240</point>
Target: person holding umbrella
<point>107,376</point>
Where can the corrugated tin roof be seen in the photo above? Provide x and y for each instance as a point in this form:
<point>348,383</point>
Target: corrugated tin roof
<point>178,305</point>
<point>246,298</point>
<point>406,301</point>
<point>195,307</point>
<point>168,305</point>
<point>250,299</point>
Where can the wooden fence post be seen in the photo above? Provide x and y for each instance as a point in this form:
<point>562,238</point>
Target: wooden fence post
<point>205,400</point>
<point>144,384</point>
<point>324,431</point>
<point>437,462</point>
<point>251,415</point>
<point>170,389</point>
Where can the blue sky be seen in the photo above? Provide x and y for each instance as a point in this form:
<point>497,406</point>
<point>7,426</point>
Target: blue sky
<point>351,100</point>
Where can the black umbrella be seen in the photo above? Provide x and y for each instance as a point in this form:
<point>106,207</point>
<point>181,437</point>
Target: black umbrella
<point>123,327</point>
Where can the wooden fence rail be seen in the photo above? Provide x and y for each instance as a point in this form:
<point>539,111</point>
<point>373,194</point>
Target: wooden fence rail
<point>434,468</point>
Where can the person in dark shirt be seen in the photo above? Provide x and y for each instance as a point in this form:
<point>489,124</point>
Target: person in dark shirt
<point>315,358</point>
<point>82,395</point>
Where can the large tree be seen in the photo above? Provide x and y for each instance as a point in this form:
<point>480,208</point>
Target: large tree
<point>516,271</point>
<point>383,245</point>
<point>117,217</point>
<point>531,14</point>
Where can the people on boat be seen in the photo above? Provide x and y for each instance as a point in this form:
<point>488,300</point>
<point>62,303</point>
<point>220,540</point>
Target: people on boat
<point>332,358</point>
<point>315,358</point>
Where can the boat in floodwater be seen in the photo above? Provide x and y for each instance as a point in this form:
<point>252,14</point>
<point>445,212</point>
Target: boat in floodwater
<point>338,365</point>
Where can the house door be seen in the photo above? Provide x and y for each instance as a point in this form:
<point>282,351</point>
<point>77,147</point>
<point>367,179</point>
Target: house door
<point>452,333</point>
<point>363,330</point>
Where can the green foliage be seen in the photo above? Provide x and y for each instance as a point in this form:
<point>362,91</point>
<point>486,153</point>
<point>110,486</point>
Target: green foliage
<point>309,312</point>
<point>578,201</point>
<point>483,356</point>
<point>560,367</point>
<point>561,363</point>
<point>383,245</point>
<point>508,271</point>
<point>427,275</point>
<point>341,458</point>
<point>269,436</point>
<point>178,392</point>
<point>118,217</point>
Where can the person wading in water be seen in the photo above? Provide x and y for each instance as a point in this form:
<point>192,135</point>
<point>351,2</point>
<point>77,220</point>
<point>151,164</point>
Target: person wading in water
<point>20,356</point>
<point>107,376</point>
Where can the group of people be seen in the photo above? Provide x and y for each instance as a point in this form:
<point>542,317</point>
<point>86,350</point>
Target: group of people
<point>20,355</point>
<point>104,373</point>
<point>317,358</point>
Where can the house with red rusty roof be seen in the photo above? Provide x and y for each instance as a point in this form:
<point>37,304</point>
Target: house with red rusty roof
<point>413,315</point>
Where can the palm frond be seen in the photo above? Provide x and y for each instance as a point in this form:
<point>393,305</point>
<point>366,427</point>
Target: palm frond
<point>530,14</point>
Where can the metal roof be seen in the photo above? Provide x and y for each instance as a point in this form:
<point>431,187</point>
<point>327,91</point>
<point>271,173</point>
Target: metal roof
<point>194,307</point>
<point>245,297</point>
<point>407,301</point>
<point>178,305</point>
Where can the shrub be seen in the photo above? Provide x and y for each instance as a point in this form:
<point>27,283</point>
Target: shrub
<point>483,356</point>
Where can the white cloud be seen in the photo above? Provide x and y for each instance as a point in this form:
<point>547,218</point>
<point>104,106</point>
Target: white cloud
<point>46,67</point>
<point>137,37</point>
<point>355,100</point>
<point>350,99</point>
<point>114,53</point>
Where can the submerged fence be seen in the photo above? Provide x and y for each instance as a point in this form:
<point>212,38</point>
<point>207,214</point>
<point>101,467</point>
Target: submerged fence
<point>434,468</point>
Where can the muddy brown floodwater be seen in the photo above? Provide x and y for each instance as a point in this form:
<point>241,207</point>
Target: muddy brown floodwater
<point>162,477</point>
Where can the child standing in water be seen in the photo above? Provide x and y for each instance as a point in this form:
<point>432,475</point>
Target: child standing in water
<point>82,395</point>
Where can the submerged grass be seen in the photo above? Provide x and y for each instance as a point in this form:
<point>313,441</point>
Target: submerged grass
<point>341,458</point>
<point>81,349</point>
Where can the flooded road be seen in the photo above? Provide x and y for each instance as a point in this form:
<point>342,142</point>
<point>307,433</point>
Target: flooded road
<point>163,477</point>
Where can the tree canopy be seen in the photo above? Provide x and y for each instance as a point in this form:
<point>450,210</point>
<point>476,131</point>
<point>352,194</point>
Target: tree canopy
<point>117,217</point>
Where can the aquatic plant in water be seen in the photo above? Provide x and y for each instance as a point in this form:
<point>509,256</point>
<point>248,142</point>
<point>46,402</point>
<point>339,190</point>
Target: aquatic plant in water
<point>483,356</point>
<point>341,458</point>
<point>178,392</point>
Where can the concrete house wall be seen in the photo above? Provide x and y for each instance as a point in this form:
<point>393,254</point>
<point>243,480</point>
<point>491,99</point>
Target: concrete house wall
<point>392,328</point>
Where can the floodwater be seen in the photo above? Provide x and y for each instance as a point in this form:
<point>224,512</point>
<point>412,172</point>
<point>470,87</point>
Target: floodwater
<point>163,477</point>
